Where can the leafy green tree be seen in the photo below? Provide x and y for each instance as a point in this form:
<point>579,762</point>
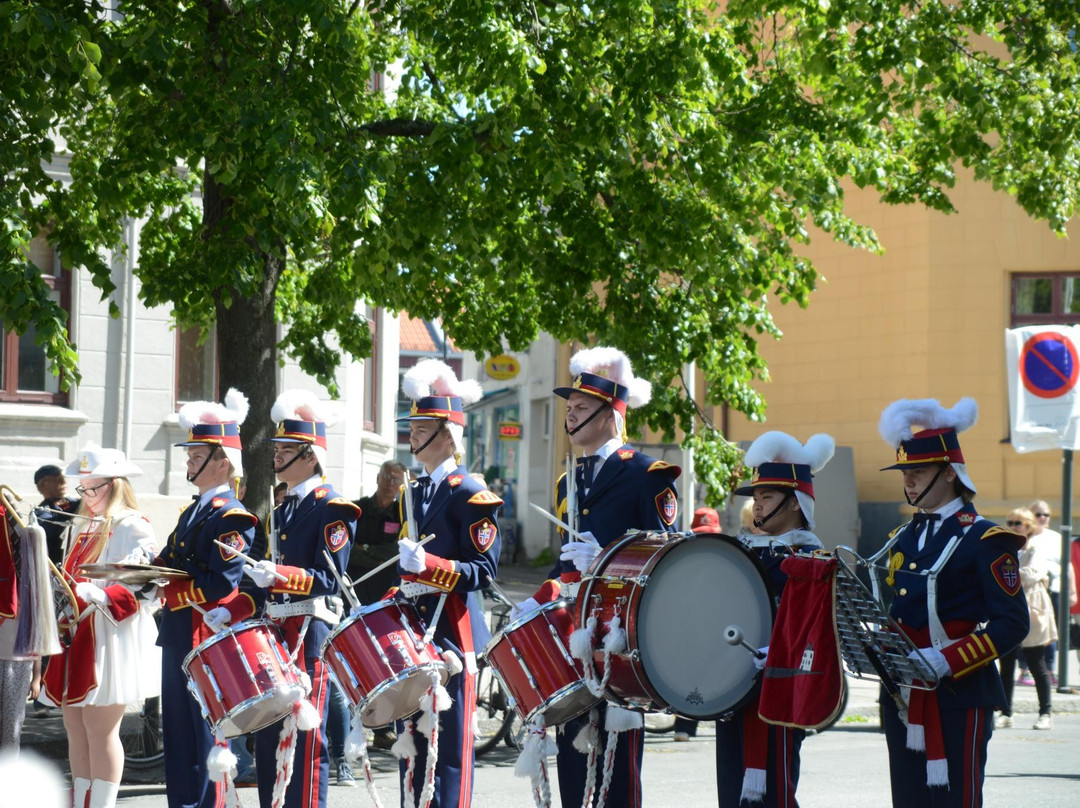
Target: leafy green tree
<point>632,173</point>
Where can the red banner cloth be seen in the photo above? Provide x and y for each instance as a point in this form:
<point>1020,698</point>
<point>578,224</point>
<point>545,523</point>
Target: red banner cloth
<point>9,585</point>
<point>804,679</point>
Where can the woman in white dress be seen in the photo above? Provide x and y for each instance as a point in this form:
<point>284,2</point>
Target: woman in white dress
<point>112,660</point>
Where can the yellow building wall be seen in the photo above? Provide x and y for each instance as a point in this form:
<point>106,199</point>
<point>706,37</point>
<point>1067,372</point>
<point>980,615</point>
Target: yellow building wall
<point>924,320</point>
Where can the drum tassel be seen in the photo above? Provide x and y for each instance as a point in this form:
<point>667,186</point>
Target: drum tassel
<point>588,742</point>
<point>433,702</point>
<point>532,762</point>
<point>356,749</point>
<point>221,765</point>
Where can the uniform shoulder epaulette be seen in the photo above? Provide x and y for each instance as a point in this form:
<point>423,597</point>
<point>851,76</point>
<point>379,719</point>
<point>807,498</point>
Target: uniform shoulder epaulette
<point>998,530</point>
<point>897,529</point>
<point>662,465</point>
<point>341,502</point>
<point>484,497</point>
<point>241,512</point>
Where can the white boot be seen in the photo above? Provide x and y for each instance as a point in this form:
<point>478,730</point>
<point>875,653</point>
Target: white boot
<point>103,794</point>
<point>80,787</point>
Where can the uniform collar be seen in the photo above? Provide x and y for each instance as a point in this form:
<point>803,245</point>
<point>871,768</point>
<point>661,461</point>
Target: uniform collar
<point>608,449</point>
<point>205,497</point>
<point>306,487</point>
<point>949,509</point>
<point>442,471</point>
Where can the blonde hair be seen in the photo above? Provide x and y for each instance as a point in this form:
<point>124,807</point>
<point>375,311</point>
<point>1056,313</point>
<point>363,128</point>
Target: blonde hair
<point>121,498</point>
<point>1024,515</point>
<point>746,514</point>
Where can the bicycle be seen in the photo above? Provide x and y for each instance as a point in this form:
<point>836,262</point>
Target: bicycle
<point>496,719</point>
<point>140,735</point>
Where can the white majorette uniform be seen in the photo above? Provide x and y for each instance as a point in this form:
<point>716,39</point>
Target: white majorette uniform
<point>107,663</point>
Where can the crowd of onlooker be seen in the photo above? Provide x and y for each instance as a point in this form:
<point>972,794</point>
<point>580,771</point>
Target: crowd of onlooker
<point>1047,591</point>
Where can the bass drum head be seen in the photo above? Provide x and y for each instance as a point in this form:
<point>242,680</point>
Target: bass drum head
<point>698,588</point>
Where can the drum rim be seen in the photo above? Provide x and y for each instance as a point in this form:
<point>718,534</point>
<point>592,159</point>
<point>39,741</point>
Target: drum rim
<point>393,680</point>
<point>213,639</point>
<point>246,703</point>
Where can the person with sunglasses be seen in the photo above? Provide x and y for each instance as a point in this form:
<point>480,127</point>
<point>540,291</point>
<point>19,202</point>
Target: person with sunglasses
<point>1047,544</point>
<point>1033,578</point>
<point>112,660</point>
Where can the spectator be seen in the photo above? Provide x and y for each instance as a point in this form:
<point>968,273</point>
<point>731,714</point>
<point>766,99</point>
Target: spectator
<point>56,509</point>
<point>1047,543</point>
<point>706,520</point>
<point>1034,579</point>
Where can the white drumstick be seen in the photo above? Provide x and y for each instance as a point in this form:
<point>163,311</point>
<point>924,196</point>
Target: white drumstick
<point>248,559</point>
<point>390,561</point>
<point>559,523</point>
<point>734,636</point>
<point>434,619</point>
<point>346,587</point>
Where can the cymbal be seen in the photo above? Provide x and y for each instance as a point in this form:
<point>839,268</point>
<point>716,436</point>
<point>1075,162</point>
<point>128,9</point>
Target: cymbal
<point>131,573</point>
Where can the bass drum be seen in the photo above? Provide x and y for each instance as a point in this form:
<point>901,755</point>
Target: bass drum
<point>676,596</point>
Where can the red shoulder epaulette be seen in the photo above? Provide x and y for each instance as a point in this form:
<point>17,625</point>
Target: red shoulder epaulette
<point>484,497</point>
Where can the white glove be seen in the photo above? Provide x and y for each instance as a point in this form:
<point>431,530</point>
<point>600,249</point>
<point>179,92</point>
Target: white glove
<point>91,593</point>
<point>264,573</point>
<point>412,556</point>
<point>217,618</point>
<point>527,606</point>
<point>759,661</point>
<point>581,553</point>
<point>933,658</point>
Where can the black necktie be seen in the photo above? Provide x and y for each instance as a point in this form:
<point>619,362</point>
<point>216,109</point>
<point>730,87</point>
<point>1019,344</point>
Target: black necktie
<point>925,520</point>
<point>193,508</point>
<point>427,491</point>
<point>588,468</point>
<point>288,506</point>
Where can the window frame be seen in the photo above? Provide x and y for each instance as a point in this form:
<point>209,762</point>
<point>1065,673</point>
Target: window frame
<point>1056,316</point>
<point>179,402</point>
<point>60,280</point>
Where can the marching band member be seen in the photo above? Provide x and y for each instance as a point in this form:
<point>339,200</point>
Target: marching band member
<point>213,463</point>
<point>112,661</point>
<point>956,593</point>
<point>757,763</point>
<point>312,522</point>
<point>618,489</point>
<point>461,514</point>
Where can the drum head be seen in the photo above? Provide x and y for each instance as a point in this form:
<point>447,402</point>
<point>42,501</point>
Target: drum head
<point>697,589</point>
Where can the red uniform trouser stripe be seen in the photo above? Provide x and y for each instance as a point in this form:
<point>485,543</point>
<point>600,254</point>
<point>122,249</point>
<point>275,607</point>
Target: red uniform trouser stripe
<point>311,757</point>
<point>468,694</point>
<point>973,763</point>
<point>634,739</point>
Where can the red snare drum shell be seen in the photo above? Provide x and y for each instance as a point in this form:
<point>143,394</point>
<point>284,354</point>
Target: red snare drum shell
<point>376,658</point>
<point>242,678</point>
<point>532,659</point>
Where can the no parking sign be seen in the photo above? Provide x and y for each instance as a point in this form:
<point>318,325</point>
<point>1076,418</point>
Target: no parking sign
<point>1043,370</point>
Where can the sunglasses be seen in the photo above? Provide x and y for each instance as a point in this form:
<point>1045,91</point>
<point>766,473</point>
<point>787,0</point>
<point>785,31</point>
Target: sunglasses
<point>82,491</point>
<point>1014,524</point>
<point>1043,515</point>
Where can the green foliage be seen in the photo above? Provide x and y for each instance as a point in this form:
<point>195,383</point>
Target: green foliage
<point>630,173</point>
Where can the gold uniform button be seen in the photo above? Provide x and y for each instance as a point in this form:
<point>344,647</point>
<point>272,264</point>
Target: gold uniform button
<point>585,512</point>
<point>181,544</point>
<point>912,565</point>
<point>903,591</point>
<point>283,537</point>
<point>423,609</point>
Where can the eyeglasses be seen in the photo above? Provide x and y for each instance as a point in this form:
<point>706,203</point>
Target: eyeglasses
<point>1014,524</point>
<point>82,491</point>
<point>1042,515</point>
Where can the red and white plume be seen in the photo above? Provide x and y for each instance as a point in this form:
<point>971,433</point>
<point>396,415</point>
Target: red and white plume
<point>899,417</point>
<point>304,405</point>
<point>613,364</point>
<point>431,377</point>
<point>235,409</point>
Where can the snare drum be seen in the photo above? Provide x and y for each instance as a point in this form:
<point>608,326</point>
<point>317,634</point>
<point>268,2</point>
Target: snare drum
<point>243,679</point>
<point>378,659</point>
<point>531,657</point>
<point>675,597</point>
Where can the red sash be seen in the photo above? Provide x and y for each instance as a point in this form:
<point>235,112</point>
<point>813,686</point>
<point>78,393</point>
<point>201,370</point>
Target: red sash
<point>9,584</point>
<point>804,680</point>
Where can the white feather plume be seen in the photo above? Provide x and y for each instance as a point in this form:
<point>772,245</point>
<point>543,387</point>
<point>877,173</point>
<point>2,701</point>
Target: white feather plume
<point>431,377</point>
<point>899,417</point>
<point>194,413</point>
<point>304,405</point>
<point>613,364</point>
<point>780,447</point>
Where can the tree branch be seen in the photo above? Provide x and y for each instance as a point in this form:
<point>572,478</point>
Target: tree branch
<point>399,127</point>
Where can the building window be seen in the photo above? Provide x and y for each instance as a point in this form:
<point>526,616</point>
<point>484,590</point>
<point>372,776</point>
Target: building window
<point>1052,298</point>
<point>196,367</point>
<point>371,372</point>
<point>25,371</point>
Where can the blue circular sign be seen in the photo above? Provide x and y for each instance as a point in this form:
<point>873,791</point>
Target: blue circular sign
<point>1048,365</point>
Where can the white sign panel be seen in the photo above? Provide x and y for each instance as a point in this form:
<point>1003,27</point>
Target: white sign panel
<point>1043,368</point>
